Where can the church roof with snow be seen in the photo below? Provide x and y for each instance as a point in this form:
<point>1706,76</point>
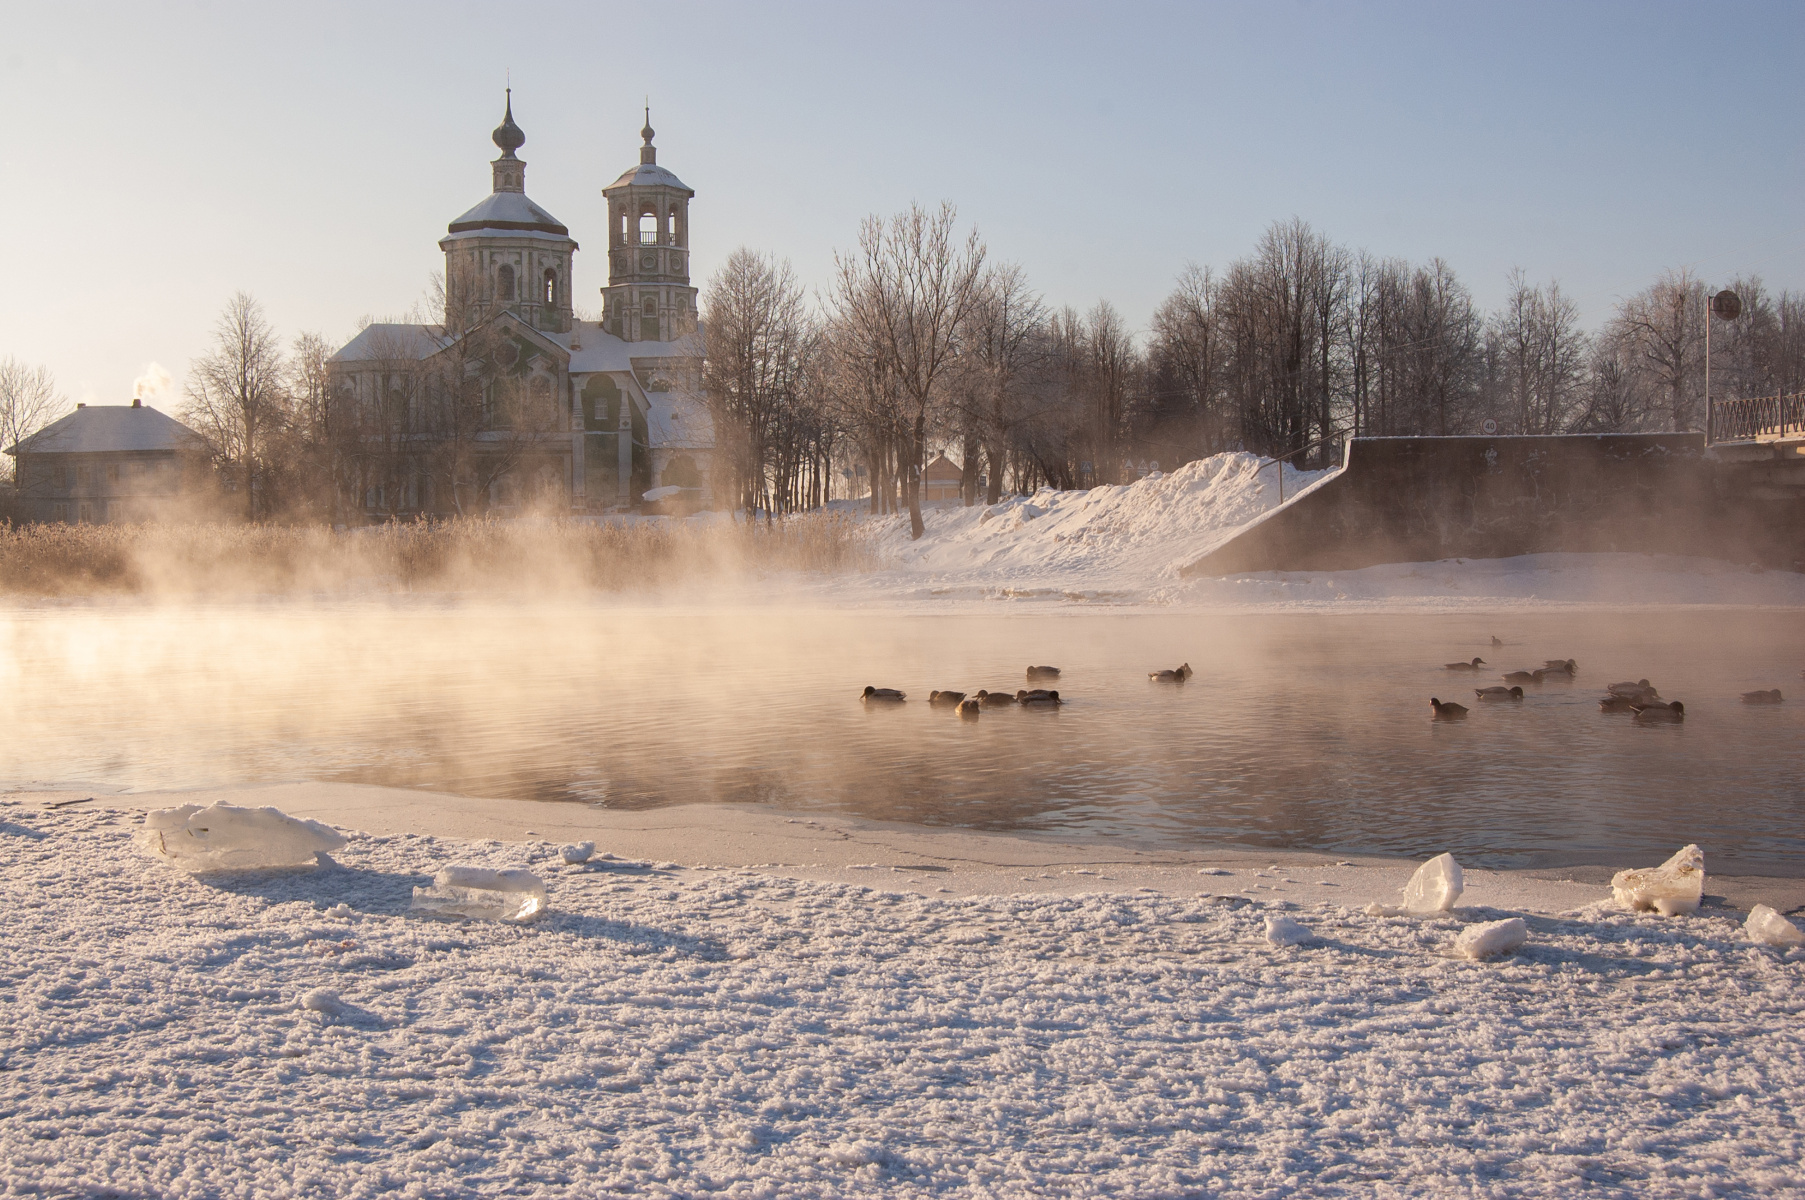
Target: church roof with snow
<point>508,212</point>
<point>103,428</point>
<point>385,340</point>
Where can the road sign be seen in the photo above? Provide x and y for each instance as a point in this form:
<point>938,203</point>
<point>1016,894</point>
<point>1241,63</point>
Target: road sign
<point>1726,305</point>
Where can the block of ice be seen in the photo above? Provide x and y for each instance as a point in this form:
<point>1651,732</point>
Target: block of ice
<point>1492,938</point>
<point>226,837</point>
<point>1435,887</point>
<point>1768,928</point>
<point>1676,886</point>
<point>578,853</point>
<point>1283,931</point>
<point>461,891</point>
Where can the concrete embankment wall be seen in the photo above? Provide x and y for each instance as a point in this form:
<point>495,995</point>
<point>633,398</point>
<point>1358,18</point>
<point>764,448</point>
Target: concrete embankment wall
<point>1422,499</point>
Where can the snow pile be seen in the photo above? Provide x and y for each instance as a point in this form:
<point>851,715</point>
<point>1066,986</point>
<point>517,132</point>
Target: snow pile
<point>513,894</point>
<point>1132,533</point>
<point>729,1033</point>
<point>1434,888</point>
<point>225,837</point>
<point>1283,931</point>
<point>1676,886</point>
<point>1491,938</point>
<point>1768,928</point>
<point>578,854</point>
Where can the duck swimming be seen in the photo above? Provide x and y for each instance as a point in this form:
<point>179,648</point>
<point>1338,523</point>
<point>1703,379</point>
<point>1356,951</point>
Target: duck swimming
<point>1631,689</point>
<point>1499,693</point>
<point>880,695</point>
<point>1042,673</point>
<point>1524,676</point>
<point>1039,696</point>
<point>1449,711</point>
<point>1771,696</point>
<point>1560,666</point>
<point>994,699</point>
<point>1618,704</point>
<point>1496,642</point>
<point>1656,710</point>
<point>969,710</point>
<point>1466,666</point>
<point>945,699</point>
<point>1179,676</point>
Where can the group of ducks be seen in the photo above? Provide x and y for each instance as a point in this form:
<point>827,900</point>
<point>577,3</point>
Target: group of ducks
<point>1639,697</point>
<point>970,704</point>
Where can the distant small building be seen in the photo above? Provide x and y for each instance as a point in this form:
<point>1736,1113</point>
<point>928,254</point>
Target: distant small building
<point>940,479</point>
<point>111,462</point>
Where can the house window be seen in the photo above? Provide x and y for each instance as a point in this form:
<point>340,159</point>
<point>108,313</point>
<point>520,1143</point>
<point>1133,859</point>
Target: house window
<point>84,512</point>
<point>61,476</point>
<point>59,512</point>
<point>84,476</point>
<point>504,282</point>
<point>113,473</point>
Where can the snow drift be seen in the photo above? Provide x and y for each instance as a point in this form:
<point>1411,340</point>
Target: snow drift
<point>226,837</point>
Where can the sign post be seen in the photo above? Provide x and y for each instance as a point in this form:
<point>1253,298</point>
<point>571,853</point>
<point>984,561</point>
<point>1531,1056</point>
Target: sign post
<point>1725,306</point>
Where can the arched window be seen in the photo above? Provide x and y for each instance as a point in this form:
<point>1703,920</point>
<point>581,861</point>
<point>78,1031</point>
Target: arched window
<point>551,288</point>
<point>671,225</point>
<point>623,225</point>
<point>648,228</point>
<point>651,306</point>
<point>504,282</point>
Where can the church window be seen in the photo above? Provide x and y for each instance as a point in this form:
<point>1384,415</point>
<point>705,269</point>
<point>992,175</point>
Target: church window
<point>648,229</point>
<point>504,282</point>
<point>551,287</point>
<point>651,306</point>
<point>671,225</point>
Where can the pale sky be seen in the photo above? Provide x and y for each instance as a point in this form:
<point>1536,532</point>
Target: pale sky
<point>159,157</point>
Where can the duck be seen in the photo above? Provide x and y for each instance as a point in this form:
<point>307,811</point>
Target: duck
<point>946,699</point>
<point>1040,697</point>
<point>1631,689</point>
<point>881,695</point>
<point>1466,666</point>
<point>1771,696</point>
<point>1524,676</point>
<point>1495,642</point>
<point>1042,673</point>
<point>1499,693</point>
<point>994,699</point>
<point>1659,710</point>
<point>1449,711</point>
<point>969,710</point>
<point>1561,666</point>
<point>1617,704</point>
<point>1179,676</point>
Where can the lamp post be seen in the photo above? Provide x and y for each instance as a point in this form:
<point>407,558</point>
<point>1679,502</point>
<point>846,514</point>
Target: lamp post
<point>1725,306</point>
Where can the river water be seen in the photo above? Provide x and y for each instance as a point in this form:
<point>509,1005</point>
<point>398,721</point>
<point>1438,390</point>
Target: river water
<point>1302,731</point>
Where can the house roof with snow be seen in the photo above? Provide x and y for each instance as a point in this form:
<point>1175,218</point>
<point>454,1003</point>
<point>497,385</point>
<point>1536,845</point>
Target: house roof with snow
<point>386,340</point>
<point>111,428</point>
<point>943,469</point>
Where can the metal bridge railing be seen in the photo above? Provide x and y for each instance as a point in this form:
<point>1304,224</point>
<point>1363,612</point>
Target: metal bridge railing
<point>1748,418</point>
<point>1338,439</point>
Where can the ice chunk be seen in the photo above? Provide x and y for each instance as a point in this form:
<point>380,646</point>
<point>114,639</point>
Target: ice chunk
<point>1492,938</point>
<point>1769,928</point>
<point>226,837</point>
<point>341,910</point>
<point>1435,887</point>
<point>578,853</point>
<point>1676,886</point>
<point>322,1000</point>
<point>462,891</point>
<point>1283,931</point>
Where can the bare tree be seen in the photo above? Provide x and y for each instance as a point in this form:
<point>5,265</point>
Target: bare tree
<point>28,401</point>
<point>237,391</point>
<point>759,339</point>
<point>1542,356</point>
<point>906,292</point>
<point>1665,324</point>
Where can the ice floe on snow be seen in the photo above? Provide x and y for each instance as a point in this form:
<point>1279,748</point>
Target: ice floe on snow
<point>1676,886</point>
<point>225,837</point>
<point>577,854</point>
<point>1491,938</point>
<point>1769,928</point>
<point>1434,888</point>
<point>513,894</point>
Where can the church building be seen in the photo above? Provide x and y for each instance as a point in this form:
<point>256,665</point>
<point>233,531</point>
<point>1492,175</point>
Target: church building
<point>512,404</point>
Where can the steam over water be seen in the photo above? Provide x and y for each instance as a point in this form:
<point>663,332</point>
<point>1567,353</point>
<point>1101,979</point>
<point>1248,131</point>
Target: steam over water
<point>1298,730</point>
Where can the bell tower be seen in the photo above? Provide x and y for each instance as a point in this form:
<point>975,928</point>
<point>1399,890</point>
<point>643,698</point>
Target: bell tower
<point>648,297</point>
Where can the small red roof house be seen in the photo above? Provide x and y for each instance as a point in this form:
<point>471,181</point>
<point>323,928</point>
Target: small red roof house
<point>940,479</point>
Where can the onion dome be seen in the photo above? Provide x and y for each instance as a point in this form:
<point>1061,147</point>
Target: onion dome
<point>508,135</point>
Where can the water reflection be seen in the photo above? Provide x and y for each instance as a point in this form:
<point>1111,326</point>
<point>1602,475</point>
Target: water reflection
<point>1304,731</point>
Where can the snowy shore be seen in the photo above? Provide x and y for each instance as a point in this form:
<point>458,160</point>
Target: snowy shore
<point>801,1010</point>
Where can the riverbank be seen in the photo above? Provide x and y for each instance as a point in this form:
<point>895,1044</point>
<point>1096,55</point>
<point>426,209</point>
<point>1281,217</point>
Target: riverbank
<point>826,1024</point>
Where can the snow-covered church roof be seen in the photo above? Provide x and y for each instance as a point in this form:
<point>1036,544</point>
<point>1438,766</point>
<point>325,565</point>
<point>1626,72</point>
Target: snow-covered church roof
<point>388,341</point>
<point>509,212</point>
<point>648,175</point>
<point>102,428</point>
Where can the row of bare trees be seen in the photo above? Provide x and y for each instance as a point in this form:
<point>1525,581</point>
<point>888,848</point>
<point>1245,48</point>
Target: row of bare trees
<point>921,342</point>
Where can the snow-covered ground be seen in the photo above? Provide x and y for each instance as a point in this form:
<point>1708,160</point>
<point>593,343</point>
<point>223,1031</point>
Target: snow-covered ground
<point>670,1031</point>
<point>1126,544</point>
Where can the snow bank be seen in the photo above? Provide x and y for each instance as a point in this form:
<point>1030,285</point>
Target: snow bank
<point>513,894</point>
<point>1132,533</point>
<point>687,1033</point>
<point>1676,886</point>
<point>224,837</point>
